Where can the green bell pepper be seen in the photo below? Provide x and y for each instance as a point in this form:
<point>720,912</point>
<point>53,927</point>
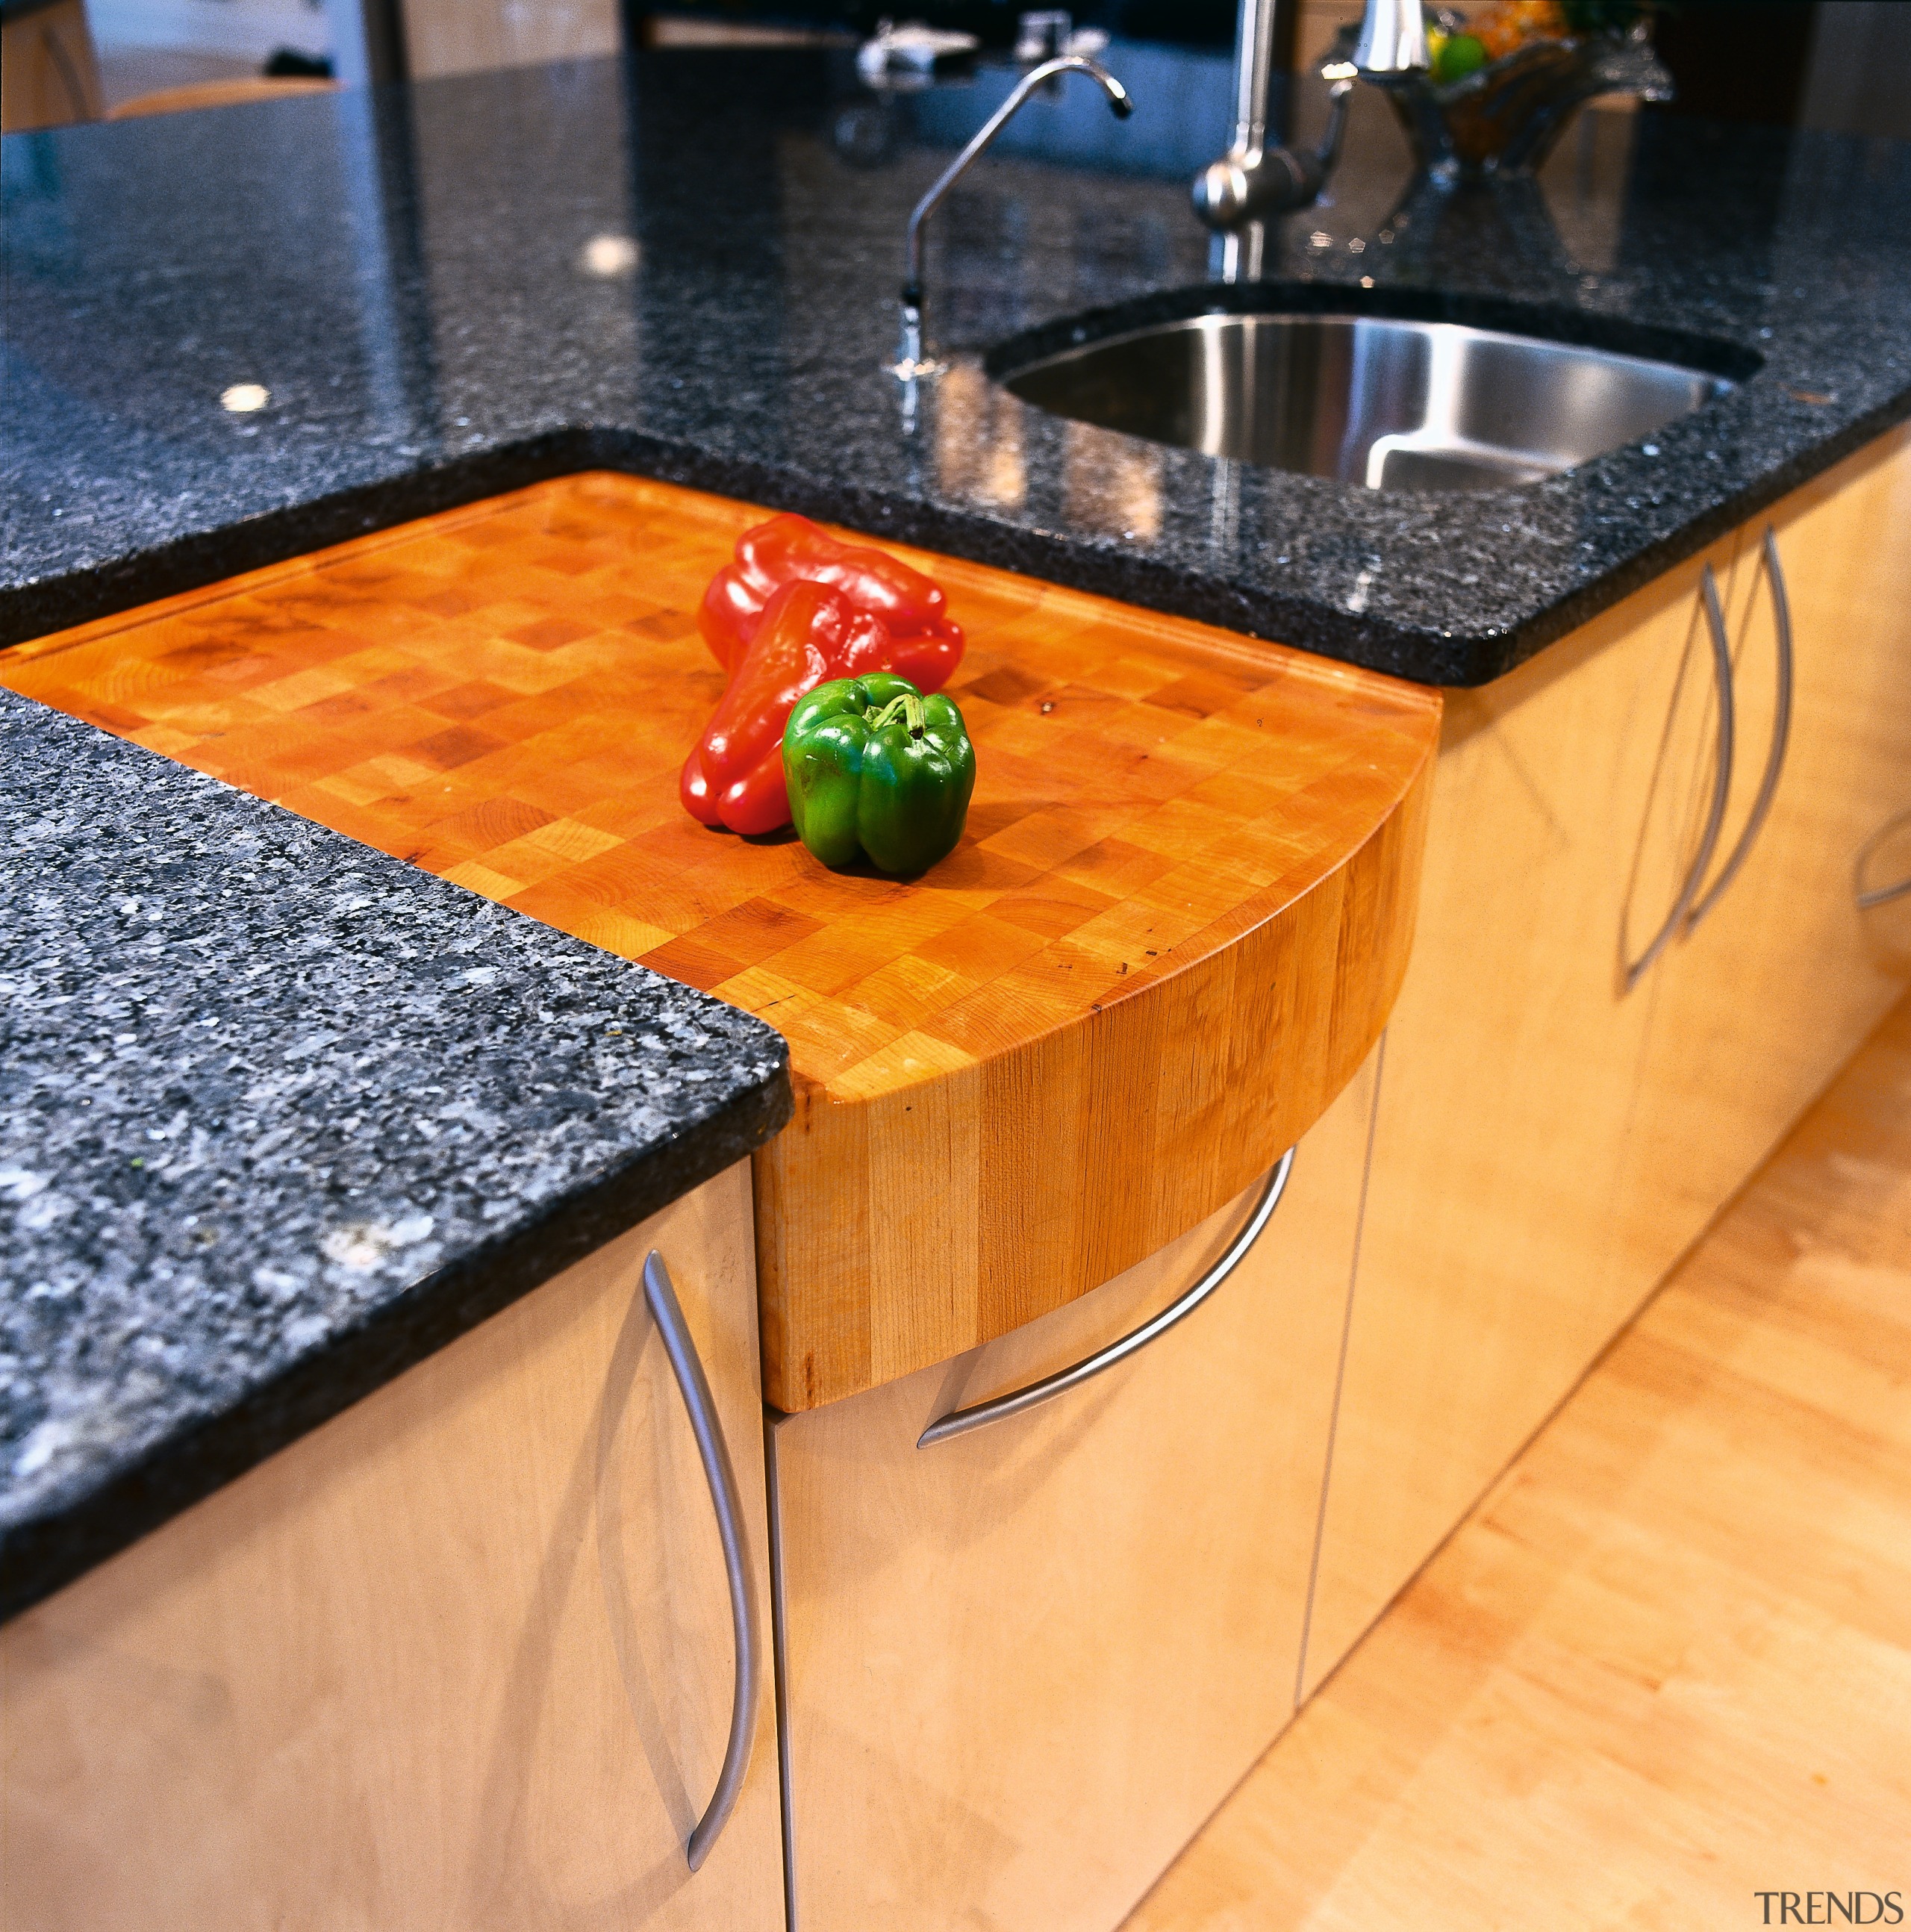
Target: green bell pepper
<point>874,766</point>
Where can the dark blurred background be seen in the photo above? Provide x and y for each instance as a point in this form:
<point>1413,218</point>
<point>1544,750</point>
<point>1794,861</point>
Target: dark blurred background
<point>1844,65</point>
<point>1840,64</point>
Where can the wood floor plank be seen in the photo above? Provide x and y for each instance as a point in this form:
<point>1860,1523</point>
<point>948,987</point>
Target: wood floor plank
<point>1666,1663</point>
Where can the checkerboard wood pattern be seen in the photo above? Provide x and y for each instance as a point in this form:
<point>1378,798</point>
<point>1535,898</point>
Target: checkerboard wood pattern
<point>1174,928</point>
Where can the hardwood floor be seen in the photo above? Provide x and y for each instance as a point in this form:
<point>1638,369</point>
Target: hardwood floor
<point>1666,1665</point>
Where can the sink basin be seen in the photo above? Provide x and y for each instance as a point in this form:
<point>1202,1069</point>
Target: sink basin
<point>1393,404</point>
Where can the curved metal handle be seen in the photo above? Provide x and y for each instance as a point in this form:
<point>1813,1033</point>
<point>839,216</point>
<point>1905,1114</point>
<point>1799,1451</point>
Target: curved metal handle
<point>1878,895</point>
<point>725,1498</point>
<point>1721,782</point>
<point>1781,735</point>
<point>1020,1400</point>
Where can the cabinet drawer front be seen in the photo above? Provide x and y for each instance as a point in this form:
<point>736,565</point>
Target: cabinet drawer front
<point>1022,1665</point>
<point>461,1657</point>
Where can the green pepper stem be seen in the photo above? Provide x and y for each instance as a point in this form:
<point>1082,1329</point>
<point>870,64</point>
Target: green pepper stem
<point>909,706</point>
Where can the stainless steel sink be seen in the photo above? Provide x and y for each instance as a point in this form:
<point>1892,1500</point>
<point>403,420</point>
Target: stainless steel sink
<point>1396,405</point>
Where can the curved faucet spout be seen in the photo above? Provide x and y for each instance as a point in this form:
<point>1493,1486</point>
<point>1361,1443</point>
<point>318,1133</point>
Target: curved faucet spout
<point>909,362</point>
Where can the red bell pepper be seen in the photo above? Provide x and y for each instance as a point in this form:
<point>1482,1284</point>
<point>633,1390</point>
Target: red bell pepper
<point>807,633</point>
<point>926,644</point>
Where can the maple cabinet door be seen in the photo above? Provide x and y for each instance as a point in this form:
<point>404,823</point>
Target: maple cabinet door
<point>1785,973</point>
<point>1022,1665</point>
<point>461,1658</point>
<point>1490,1271</point>
<point>1577,1079</point>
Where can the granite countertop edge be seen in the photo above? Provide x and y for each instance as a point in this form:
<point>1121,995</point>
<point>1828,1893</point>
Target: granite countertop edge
<point>41,1556</point>
<point>40,607</point>
<point>234,1202</point>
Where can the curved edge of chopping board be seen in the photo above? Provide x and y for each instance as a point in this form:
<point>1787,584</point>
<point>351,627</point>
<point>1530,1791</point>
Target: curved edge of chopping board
<point>949,1196</point>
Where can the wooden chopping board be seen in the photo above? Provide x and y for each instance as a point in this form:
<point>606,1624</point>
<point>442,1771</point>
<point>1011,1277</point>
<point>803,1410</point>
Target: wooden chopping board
<point>1174,929</point>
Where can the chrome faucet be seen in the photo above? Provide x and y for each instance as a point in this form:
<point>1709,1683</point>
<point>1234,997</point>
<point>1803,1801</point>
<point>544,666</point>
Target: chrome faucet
<point>909,364</point>
<point>1252,179</point>
<point>1393,41</point>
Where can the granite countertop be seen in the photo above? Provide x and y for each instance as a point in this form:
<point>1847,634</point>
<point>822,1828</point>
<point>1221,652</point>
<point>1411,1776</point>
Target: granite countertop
<point>279,1116</point>
<point>684,265</point>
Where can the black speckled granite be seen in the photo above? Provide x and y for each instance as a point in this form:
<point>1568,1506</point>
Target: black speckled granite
<point>411,276</point>
<point>278,1116</point>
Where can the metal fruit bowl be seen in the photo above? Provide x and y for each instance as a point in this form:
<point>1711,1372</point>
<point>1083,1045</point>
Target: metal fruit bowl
<point>1504,118</point>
